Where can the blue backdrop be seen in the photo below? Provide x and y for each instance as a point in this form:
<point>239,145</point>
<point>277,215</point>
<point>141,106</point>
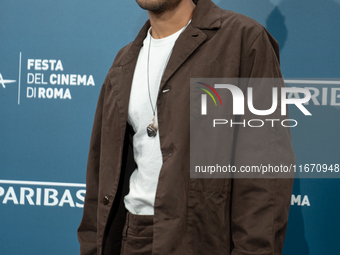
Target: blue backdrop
<point>54,56</point>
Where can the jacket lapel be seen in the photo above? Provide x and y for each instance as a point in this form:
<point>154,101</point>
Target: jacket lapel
<point>206,16</point>
<point>126,68</point>
<point>185,45</point>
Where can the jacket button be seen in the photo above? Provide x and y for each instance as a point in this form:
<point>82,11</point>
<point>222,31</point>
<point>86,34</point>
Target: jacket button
<point>105,200</point>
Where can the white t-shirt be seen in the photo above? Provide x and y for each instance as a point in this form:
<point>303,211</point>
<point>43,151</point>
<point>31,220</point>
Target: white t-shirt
<point>147,151</point>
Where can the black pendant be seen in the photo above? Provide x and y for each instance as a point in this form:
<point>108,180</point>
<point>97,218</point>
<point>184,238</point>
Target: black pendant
<point>152,130</point>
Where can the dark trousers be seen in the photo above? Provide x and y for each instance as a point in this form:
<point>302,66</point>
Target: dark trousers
<point>137,235</point>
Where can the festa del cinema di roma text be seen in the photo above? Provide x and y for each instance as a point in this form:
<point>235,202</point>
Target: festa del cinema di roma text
<point>43,76</point>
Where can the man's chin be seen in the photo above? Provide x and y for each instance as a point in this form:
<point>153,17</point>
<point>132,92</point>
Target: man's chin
<point>158,6</point>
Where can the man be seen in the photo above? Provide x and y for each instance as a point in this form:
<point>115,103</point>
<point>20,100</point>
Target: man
<point>145,202</point>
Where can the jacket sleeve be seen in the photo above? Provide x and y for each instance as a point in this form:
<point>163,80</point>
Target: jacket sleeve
<point>260,206</point>
<point>87,231</point>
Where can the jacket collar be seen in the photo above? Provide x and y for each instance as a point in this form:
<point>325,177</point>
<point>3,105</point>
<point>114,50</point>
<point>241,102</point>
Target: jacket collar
<point>206,16</point>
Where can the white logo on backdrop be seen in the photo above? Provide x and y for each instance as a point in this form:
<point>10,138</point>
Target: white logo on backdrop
<point>3,81</point>
<point>42,84</point>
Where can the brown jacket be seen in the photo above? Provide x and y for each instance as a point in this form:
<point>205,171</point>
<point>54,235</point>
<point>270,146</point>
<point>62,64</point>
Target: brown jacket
<point>192,216</point>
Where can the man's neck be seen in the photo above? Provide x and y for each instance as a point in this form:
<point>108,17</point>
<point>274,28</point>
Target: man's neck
<point>170,22</point>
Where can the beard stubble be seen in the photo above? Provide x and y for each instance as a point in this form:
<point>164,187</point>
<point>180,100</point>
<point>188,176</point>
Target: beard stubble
<point>158,6</point>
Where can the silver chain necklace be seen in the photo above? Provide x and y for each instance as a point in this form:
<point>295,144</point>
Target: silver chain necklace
<point>153,127</point>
